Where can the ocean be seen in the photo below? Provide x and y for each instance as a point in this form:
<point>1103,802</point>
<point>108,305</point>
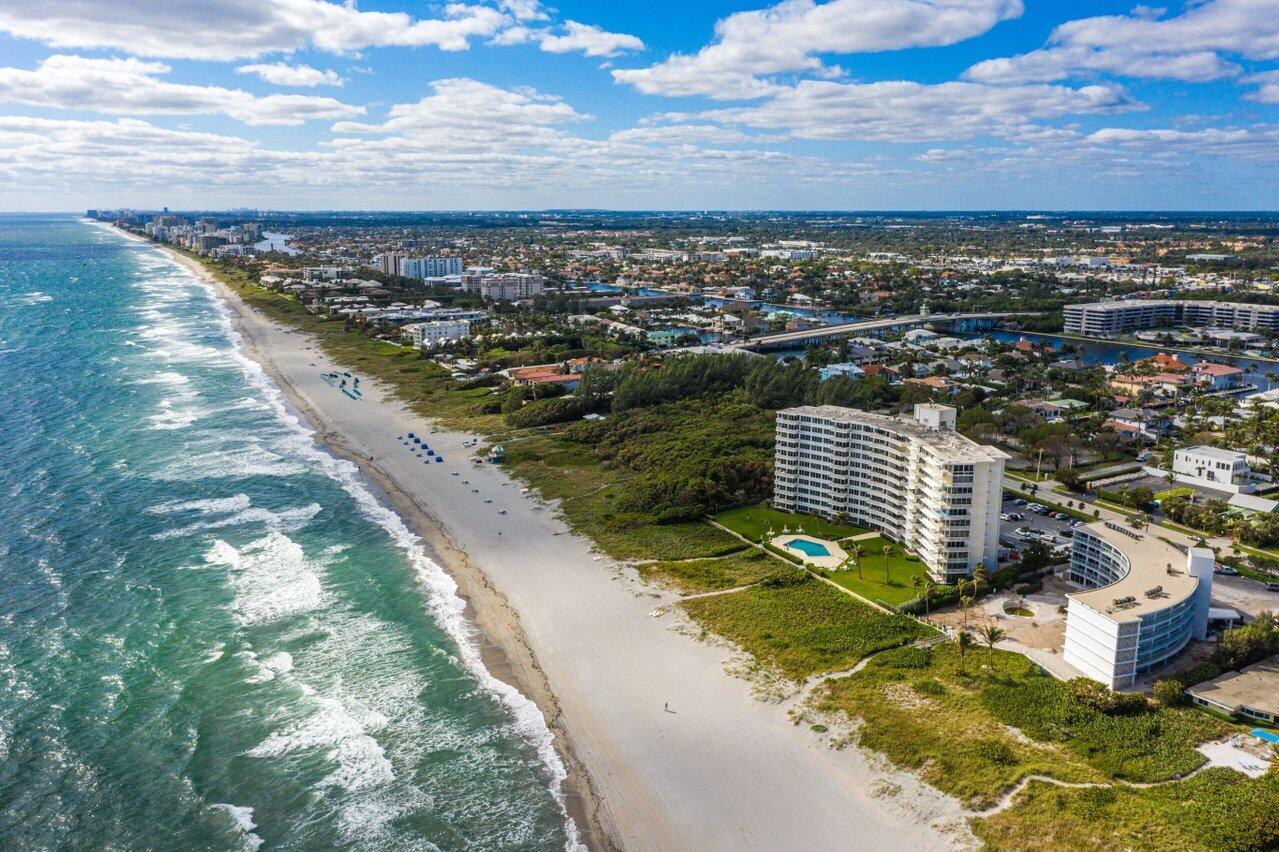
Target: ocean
<point>213,635</point>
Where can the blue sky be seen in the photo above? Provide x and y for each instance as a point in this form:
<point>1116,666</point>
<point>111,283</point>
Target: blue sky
<point>502,104</point>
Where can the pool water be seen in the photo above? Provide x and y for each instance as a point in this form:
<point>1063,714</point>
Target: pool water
<point>808,548</point>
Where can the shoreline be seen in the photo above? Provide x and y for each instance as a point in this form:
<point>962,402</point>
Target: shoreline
<point>503,648</point>
<point>597,652</point>
<point>1157,347</point>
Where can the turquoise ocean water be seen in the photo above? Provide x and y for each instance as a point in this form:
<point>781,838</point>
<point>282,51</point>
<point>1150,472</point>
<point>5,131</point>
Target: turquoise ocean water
<point>212,635</point>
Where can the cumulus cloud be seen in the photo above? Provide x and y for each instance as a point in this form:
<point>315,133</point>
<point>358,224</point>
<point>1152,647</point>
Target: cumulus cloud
<point>590,40</point>
<point>133,87</point>
<point>283,74</point>
<point>1267,84</point>
<point>788,37</point>
<point>1187,47</point>
<point>462,106</point>
<point>238,29</point>
<point>905,111</point>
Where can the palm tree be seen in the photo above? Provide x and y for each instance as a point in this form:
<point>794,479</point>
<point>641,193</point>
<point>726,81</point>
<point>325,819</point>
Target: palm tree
<point>963,640</point>
<point>990,634</point>
<point>980,576</point>
<point>890,550</point>
<point>855,553</point>
<point>965,601</point>
<point>929,585</point>
<point>916,583</point>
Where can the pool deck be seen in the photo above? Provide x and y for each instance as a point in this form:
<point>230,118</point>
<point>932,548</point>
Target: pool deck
<point>835,554</point>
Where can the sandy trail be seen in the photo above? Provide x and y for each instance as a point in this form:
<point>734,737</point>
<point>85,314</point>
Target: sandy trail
<point>723,771</point>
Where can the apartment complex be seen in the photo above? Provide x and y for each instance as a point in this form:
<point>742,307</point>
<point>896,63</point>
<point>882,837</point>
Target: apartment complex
<point>1110,319</point>
<point>1143,601</point>
<point>417,267</point>
<point>916,480</point>
<point>505,286</point>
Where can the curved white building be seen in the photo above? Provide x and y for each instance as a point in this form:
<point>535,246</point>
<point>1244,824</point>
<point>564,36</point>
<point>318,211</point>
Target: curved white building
<point>919,481</point>
<point>1143,601</point>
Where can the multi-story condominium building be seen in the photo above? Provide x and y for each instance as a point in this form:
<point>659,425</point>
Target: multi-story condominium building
<point>511,286</point>
<point>1214,468</point>
<point>429,334</point>
<point>1109,319</point>
<point>429,267</point>
<point>917,480</point>
<point>1144,600</point>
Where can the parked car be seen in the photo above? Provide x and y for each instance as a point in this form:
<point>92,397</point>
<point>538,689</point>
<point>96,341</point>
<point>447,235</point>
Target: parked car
<point>1225,570</point>
<point>1005,516</point>
<point>1274,587</point>
<point>1019,502</point>
<point>1068,533</point>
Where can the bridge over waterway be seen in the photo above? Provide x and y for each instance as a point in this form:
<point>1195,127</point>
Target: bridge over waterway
<point>940,322</point>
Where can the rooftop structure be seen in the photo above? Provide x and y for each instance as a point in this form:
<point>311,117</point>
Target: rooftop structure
<point>1253,692</point>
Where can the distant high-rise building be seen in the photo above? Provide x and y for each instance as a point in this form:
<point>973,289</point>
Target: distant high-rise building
<point>429,267</point>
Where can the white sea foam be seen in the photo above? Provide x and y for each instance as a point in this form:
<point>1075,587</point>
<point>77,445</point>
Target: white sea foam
<point>341,729</point>
<point>271,576</point>
<point>215,505</point>
<point>442,597</point>
<point>242,819</point>
<point>286,520</point>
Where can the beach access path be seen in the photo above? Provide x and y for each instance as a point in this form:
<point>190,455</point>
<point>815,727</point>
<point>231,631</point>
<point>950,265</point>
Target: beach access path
<point>720,769</point>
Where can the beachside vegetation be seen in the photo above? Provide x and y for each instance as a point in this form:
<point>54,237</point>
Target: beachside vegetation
<point>1218,810</point>
<point>804,627</point>
<point>692,576</point>
<point>1004,719</point>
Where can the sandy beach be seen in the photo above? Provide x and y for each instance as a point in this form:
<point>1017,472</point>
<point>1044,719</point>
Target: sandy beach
<point>578,634</point>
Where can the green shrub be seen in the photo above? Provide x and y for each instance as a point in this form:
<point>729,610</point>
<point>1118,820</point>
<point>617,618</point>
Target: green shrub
<point>933,688</point>
<point>905,658</point>
<point>784,579</point>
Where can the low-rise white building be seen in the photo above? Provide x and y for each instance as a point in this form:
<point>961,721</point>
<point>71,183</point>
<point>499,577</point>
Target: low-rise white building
<point>1143,600</point>
<point>1213,468</point>
<point>917,480</point>
<point>431,334</point>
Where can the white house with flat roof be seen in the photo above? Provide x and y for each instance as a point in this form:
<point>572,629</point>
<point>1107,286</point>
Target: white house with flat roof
<point>1213,468</point>
<point>1141,602</point>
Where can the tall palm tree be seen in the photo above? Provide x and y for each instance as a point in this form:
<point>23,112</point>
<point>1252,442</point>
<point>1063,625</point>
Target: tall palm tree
<point>980,576</point>
<point>963,641</point>
<point>929,585</point>
<point>965,601</point>
<point>855,553</point>
<point>890,550</point>
<point>991,635</point>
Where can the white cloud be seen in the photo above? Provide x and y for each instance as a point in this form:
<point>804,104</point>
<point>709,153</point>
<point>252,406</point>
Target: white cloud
<point>1267,84</point>
<point>590,40</point>
<point>904,111</point>
<point>787,38</point>
<point>1187,47</point>
<point>525,10</point>
<point>283,74</point>
<point>132,87</point>
<point>237,29</point>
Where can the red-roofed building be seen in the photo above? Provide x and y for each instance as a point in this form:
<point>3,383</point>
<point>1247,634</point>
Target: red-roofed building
<point>1217,376</point>
<point>1166,363</point>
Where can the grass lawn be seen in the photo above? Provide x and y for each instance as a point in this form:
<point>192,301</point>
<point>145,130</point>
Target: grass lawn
<point>975,735</point>
<point>1218,809</point>
<point>803,629</point>
<point>709,575</point>
<point>871,584</point>
<point>752,522</point>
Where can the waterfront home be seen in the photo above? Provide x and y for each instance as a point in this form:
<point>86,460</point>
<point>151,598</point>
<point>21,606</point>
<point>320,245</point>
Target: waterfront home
<point>1217,376</point>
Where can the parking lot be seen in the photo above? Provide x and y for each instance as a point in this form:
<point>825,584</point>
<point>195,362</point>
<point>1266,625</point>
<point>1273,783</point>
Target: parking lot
<point>1038,524</point>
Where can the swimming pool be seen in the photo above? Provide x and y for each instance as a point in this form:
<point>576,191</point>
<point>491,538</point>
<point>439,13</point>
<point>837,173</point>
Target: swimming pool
<point>1265,735</point>
<point>808,548</point>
